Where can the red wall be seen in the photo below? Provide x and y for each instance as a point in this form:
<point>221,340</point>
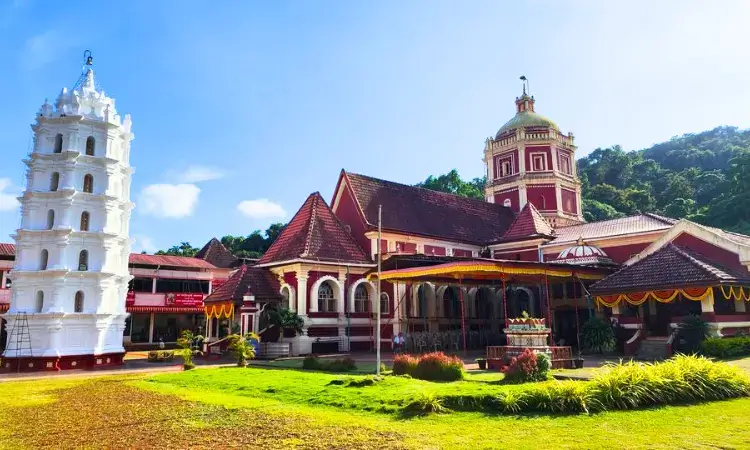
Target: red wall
<point>462,253</point>
<point>521,255</point>
<point>348,213</point>
<point>538,149</point>
<point>434,250</point>
<point>569,201</point>
<point>512,195</point>
<point>534,192</point>
<point>407,247</point>
<point>724,257</point>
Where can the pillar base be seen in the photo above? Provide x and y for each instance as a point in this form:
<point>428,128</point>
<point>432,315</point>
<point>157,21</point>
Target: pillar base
<point>27,364</point>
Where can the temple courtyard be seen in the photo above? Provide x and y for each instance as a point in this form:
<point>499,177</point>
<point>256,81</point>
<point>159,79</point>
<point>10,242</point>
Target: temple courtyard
<point>229,407</point>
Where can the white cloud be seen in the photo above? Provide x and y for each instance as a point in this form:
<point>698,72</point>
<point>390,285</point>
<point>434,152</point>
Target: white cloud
<point>261,208</point>
<point>45,48</point>
<point>8,200</point>
<point>142,243</point>
<point>196,174</point>
<point>170,201</point>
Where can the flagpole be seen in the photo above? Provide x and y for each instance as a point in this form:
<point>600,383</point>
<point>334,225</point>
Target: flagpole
<point>377,297</point>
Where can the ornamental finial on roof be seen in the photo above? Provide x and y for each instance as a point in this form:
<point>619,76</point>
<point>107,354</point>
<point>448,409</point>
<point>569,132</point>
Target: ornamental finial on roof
<point>580,242</point>
<point>525,84</point>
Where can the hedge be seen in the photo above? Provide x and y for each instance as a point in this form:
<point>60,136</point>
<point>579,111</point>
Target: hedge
<point>435,366</point>
<point>682,379</point>
<point>728,347</point>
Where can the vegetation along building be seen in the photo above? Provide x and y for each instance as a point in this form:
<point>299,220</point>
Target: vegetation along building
<point>646,271</point>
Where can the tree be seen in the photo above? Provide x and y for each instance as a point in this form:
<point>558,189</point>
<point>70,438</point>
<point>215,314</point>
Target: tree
<point>184,249</point>
<point>594,211</point>
<point>286,319</point>
<point>452,183</point>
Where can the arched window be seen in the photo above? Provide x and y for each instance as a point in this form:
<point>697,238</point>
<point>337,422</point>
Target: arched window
<point>88,183</point>
<point>43,260</point>
<point>385,304</point>
<point>507,202</point>
<point>326,300</point>
<point>54,182</point>
<point>78,304</point>
<point>58,143</point>
<point>83,261</point>
<point>50,219</point>
<point>90,145</point>
<point>285,297</point>
<point>39,301</point>
<point>85,221</point>
<point>361,299</point>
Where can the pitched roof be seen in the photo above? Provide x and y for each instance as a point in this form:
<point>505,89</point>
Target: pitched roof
<point>7,249</point>
<point>669,267</point>
<point>169,261</point>
<point>247,280</point>
<point>315,233</point>
<point>141,259</point>
<point>425,212</point>
<point>218,255</point>
<point>528,223</point>
<point>640,223</point>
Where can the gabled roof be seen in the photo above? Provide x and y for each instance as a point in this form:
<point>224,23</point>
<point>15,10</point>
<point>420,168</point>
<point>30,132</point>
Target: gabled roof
<point>169,261</point>
<point>640,223</point>
<point>316,234</point>
<point>7,250</point>
<point>424,212</point>
<point>247,280</point>
<point>670,267</point>
<point>218,255</point>
<point>529,223</point>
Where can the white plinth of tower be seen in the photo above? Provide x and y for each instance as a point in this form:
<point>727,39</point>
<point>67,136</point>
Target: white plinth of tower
<point>71,271</point>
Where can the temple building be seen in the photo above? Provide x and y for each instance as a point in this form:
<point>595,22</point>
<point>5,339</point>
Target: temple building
<point>454,269</point>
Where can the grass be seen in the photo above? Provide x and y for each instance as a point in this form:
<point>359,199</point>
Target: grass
<point>272,408</point>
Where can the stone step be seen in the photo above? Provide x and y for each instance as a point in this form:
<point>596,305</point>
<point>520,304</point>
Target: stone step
<point>653,349</point>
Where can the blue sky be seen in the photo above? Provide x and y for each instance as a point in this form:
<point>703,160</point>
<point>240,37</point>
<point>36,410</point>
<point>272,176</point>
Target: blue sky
<point>241,109</point>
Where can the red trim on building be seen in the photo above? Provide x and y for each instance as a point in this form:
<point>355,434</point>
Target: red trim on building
<point>165,309</point>
<point>58,363</point>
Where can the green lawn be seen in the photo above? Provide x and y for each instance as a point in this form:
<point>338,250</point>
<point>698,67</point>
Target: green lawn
<point>269,408</point>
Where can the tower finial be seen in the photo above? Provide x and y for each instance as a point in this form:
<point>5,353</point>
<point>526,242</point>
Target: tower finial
<point>525,83</point>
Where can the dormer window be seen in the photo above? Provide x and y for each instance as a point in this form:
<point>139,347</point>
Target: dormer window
<point>504,166</point>
<point>90,146</point>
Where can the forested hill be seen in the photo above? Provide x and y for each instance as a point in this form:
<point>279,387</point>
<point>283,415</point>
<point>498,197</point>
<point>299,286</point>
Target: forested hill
<point>704,177</point>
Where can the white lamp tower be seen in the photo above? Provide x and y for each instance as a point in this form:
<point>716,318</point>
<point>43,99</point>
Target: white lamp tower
<point>71,272</point>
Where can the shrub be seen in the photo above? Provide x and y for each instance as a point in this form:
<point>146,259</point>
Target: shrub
<point>691,333</point>
<point>528,366</point>
<point>404,364</point>
<point>598,335</point>
<point>337,365</point>
<point>729,347</point>
<point>311,363</point>
<point>437,366</point>
<point>242,348</point>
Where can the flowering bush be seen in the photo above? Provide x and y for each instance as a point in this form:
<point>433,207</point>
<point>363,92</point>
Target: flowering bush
<point>436,366</point>
<point>528,366</point>
<point>404,364</point>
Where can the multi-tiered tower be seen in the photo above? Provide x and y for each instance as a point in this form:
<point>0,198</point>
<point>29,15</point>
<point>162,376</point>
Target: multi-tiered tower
<point>71,273</point>
<point>530,160</point>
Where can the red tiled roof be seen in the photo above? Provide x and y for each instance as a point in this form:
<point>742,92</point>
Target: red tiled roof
<point>640,223</point>
<point>7,250</point>
<point>425,212</point>
<point>215,253</point>
<point>315,233</point>
<point>247,280</point>
<point>528,223</point>
<point>171,261</point>
<point>669,267</point>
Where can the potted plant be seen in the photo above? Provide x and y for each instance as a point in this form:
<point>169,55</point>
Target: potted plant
<point>187,343</point>
<point>482,362</point>
<point>242,348</point>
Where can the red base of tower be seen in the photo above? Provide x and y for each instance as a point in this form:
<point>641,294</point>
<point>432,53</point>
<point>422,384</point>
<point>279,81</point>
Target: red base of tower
<point>58,363</point>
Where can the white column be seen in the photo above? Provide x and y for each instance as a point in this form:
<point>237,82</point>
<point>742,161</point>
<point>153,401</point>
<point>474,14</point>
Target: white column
<point>342,295</point>
<point>707,304</point>
<point>739,306</point>
<point>153,285</point>
<point>151,329</point>
<point>558,196</point>
<point>302,296</point>
<point>554,155</point>
<point>4,280</point>
<point>521,158</point>
<point>210,286</point>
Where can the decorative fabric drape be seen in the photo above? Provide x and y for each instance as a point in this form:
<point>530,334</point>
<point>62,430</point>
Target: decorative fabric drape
<point>736,293</point>
<point>661,296</point>
<point>219,311</point>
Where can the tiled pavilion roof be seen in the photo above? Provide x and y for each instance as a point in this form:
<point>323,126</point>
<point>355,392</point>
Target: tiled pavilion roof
<point>670,267</point>
<point>247,280</point>
<point>529,223</point>
<point>218,255</point>
<point>640,223</point>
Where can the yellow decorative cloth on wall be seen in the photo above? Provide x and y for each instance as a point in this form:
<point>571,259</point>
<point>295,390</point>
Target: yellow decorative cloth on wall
<point>736,293</point>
